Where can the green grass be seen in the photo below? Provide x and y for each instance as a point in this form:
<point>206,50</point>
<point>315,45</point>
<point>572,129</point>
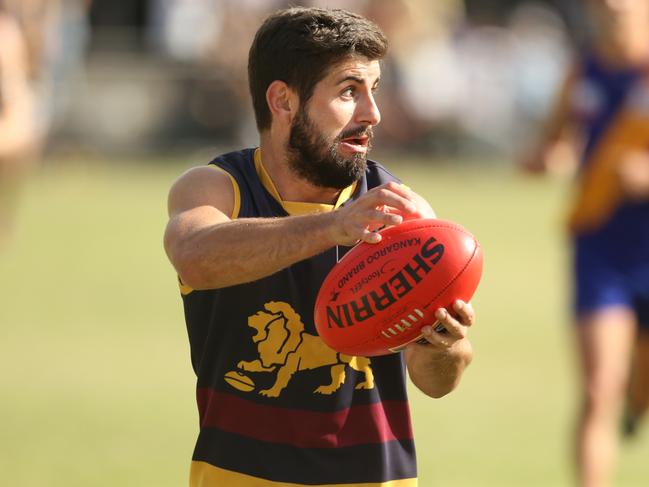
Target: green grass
<point>96,386</point>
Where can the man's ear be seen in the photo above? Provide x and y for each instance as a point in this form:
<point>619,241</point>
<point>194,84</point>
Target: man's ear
<point>282,102</point>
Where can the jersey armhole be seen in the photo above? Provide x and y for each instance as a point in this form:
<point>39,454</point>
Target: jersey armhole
<point>236,206</point>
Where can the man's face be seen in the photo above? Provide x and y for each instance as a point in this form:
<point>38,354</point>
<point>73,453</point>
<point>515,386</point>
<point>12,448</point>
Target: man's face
<point>331,135</point>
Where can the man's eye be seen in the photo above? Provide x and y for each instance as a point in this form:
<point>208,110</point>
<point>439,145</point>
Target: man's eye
<point>348,92</point>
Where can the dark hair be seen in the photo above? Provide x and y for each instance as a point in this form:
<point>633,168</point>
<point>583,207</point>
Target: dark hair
<point>298,45</point>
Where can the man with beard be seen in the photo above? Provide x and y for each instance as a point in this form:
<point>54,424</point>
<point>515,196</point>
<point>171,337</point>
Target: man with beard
<point>253,234</point>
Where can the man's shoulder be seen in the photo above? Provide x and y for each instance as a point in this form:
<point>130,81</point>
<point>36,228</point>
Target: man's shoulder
<point>235,157</point>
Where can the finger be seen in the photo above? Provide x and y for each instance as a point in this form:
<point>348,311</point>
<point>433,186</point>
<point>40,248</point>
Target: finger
<point>374,220</point>
<point>443,340</point>
<point>402,190</point>
<point>396,211</point>
<point>362,232</point>
<point>464,312</point>
<point>386,196</point>
<point>381,217</point>
<point>452,326</point>
<point>363,225</point>
<point>371,237</point>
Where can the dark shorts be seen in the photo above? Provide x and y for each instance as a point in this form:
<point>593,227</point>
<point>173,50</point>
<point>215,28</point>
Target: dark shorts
<point>607,275</point>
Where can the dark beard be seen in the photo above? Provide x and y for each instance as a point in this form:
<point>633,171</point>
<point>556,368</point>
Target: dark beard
<point>311,159</point>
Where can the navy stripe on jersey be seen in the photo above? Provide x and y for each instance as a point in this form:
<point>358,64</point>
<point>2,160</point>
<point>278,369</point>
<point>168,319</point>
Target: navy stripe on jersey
<point>309,466</point>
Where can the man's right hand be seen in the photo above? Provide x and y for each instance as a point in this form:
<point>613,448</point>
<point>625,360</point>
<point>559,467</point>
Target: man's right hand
<point>385,205</point>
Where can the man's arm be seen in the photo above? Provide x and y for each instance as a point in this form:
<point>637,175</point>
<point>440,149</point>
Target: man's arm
<point>555,150</point>
<point>209,250</point>
<point>437,366</point>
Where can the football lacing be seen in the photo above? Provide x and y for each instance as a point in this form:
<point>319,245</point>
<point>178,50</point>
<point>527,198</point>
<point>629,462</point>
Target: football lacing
<point>408,324</point>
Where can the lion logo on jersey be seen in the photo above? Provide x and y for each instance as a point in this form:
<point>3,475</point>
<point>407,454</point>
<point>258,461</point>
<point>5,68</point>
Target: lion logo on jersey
<point>285,348</point>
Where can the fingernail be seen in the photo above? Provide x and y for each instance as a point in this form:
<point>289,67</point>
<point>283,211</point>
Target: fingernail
<point>458,305</point>
<point>427,330</point>
<point>440,314</point>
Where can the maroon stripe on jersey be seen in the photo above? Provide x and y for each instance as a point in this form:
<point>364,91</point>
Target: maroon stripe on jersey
<point>360,424</point>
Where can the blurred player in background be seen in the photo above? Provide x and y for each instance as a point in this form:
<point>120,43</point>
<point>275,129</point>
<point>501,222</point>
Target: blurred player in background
<point>252,236</point>
<point>603,109</point>
<point>19,138</point>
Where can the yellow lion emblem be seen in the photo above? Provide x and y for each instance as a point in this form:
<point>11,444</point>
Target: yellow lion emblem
<point>285,348</point>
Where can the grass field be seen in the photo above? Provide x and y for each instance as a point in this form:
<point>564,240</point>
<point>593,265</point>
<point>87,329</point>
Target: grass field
<point>96,386</point>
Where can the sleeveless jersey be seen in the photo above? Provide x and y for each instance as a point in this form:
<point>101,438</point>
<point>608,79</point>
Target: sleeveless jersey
<point>610,106</point>
<point>277,407</point>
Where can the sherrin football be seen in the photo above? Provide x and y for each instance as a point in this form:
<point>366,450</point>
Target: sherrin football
<point>377,298</point>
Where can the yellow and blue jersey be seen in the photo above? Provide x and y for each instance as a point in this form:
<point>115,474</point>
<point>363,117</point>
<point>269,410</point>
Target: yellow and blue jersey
<point>610,107</point>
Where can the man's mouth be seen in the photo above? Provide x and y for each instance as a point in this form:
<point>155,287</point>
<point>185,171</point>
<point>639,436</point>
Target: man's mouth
<point>359,143</point>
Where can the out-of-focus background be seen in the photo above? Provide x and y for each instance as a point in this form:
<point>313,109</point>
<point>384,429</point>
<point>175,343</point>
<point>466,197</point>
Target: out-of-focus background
<point>96,387</point>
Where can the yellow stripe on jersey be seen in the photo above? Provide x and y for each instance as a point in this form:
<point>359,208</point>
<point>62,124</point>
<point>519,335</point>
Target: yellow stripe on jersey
<point>184,289</point>
<point>205,475</point>
<point>298,207</point>
<point>236,207</point>
<point>599,192</point>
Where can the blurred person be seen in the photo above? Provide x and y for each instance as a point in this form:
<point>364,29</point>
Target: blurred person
<point>253,234</point>
<point>603,109</point>
<point>19,140</point>
<point>55,36</point>
<point>34,18</point>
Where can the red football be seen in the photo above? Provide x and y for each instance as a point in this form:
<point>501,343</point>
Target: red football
<point>377,298</point>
